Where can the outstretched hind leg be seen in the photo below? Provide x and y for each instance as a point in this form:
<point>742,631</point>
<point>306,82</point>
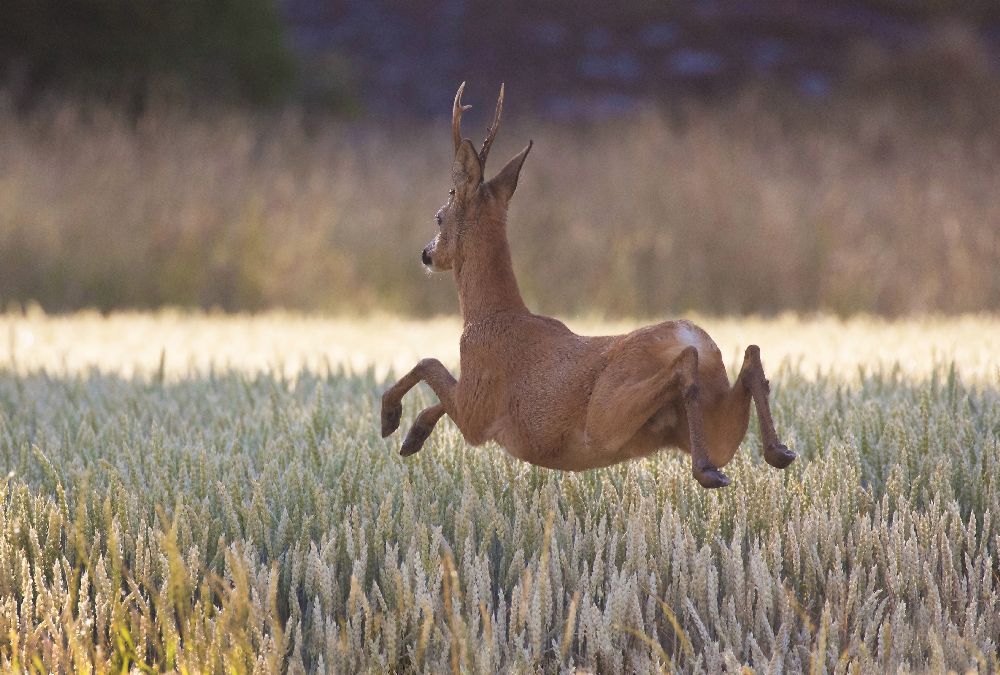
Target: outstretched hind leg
<point>752,377</point>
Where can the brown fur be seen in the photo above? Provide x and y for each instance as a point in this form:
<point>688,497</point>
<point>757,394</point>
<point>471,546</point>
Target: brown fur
<point>554,398</point>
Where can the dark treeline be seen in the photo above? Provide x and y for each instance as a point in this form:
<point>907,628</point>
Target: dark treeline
<point>125,50</point>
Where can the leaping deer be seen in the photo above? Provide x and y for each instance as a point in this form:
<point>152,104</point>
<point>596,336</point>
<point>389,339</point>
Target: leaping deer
<point>554,398</point>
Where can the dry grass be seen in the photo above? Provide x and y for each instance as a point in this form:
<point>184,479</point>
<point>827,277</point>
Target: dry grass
<point>235,510</point>
<point>853,208</point>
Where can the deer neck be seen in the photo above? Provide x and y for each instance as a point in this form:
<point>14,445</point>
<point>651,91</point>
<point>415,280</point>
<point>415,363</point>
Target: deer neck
<point>485,278</point>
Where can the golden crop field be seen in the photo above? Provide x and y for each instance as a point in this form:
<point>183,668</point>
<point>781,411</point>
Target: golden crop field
<point>202,493</point>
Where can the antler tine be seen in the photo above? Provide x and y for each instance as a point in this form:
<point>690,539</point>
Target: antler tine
<point>456,117</point>
<point>491,131</point>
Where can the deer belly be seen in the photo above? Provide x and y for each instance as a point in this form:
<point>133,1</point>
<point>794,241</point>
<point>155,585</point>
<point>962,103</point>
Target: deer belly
<point>506,434</point>
<point>567,453</point>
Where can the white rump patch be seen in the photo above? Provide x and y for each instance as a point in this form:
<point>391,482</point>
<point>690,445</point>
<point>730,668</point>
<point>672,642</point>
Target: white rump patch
<point>687,336</point>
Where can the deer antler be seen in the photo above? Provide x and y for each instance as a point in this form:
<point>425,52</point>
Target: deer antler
<point>456,116</point>
<point>491,131</point>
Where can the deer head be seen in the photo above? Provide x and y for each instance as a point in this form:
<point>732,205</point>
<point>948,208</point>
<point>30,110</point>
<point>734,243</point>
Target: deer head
<point>475,208</point>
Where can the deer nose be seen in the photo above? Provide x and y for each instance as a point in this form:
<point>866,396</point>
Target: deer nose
<point>425,257</point>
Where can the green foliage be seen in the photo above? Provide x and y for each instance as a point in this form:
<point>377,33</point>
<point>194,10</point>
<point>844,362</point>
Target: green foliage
<point>227,521</point>
<point>124,48</point>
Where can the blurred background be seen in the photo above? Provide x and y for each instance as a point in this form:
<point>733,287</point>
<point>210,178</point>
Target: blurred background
<point>725,156</point>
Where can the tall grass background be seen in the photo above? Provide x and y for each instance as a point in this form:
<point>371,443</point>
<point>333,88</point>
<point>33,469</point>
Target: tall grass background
<point>842,205</point>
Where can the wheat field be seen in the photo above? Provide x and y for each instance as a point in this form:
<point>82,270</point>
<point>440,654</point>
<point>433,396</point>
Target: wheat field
<point>207,493</point>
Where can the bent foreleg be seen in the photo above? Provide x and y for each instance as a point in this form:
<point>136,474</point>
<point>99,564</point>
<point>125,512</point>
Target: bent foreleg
<point>434,374</point>
<point>421,429</point>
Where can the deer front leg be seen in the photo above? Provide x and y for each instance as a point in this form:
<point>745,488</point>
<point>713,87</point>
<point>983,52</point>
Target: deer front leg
<point>686,377</point>
<point>752,377</point>
<point>430,371</point>
<point>421,429</point>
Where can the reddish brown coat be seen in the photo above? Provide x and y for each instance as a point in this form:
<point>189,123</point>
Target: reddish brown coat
<point>554,398</point>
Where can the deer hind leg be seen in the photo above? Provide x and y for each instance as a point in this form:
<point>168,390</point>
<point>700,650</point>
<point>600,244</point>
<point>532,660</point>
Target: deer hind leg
<point>686,379</point>
<point>623,401</point>
<point>752,377</point>
<point>430,371</point>
<point>421,429</point>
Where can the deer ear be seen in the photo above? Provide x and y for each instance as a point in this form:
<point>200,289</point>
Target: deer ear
<point>504,183</point>
<point>467,171</point>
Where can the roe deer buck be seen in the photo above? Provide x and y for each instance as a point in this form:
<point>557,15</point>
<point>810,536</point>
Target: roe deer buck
<point>554,398</point>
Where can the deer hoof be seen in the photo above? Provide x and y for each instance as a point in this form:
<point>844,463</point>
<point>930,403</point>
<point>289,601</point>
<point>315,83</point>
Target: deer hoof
<point>414,440</point>
<point>710,478</point>
<point>391,414</point>
<point>779,456</point>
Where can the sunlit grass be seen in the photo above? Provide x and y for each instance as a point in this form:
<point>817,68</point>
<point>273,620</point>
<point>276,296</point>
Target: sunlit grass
<point>184,344</point>
<point>210,493</point>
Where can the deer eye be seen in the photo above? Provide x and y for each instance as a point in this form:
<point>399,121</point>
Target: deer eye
<point>438,219</point>
<point>452,192</point>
